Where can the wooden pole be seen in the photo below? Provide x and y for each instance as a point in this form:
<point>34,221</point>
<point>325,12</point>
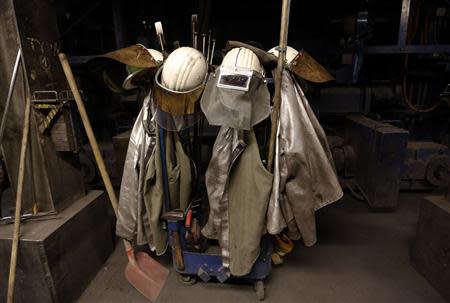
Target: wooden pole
<point>16,235</point>
<point>89,131</point>
<point>93,142</point>
<point>285,8</point>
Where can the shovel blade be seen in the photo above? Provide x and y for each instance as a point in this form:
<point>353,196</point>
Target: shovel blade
<point>306,67</point>
<point>147,276</point>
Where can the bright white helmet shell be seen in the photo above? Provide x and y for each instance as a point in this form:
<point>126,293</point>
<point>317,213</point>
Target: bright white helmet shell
<point>242,57</point>
<point>157,55</point>
<point>290,53</point>
<point>184,69</point>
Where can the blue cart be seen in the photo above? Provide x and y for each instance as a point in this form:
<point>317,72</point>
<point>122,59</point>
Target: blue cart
<point>208,265</point>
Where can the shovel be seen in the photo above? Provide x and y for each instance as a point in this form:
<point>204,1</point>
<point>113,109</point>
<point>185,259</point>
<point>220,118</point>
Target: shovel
<point>306,67</point>
<point>142,271</point>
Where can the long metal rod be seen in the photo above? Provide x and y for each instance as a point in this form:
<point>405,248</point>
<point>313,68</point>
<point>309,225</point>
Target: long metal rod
<point>10,92</point>
<point>285,9</point>
<point>408,49</point>
<point>194,19</point>
<point>195,40</point>
<point>208,52</point>
<point>211,57</point>
<point>19,193</point>
<point>204,44</point>
<point>404,20</point>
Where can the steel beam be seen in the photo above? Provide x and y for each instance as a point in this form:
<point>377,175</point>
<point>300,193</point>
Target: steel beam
<point>408,49</point>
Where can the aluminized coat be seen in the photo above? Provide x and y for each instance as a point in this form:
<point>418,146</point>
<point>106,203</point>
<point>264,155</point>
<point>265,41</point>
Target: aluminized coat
<point>131,216</point>
<point>304,175</point>
<point>141,191</point>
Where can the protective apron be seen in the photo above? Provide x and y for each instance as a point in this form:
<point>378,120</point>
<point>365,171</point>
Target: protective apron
<point>238,188</point>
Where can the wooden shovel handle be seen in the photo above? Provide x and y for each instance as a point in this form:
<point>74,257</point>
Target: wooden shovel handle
<point>93,142</point>
<point>285,10</point>
<point>88,129</point>
<point>179,261</point>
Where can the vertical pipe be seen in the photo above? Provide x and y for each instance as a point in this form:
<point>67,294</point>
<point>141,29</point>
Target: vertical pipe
<point>208,53</point>
<point>194,20</point>
<point>10,91</point>
<point>212,51</point>
<point>204,44</point>
<point>404,19</point>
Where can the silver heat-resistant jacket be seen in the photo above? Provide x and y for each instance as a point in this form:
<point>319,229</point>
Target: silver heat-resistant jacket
<point>304,175</point>
<point>132,223</point>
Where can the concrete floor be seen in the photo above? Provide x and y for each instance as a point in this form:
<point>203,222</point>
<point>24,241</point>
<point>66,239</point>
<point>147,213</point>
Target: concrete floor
<point>361,256</point>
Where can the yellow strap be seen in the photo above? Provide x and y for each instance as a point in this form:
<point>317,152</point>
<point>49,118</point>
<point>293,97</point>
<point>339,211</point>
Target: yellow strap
<point>284,243</point>
<point>44,106</point>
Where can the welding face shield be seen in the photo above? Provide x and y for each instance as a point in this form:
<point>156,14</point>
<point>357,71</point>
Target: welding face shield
<point>179,84</point>
<point>235,97</point>
<point>174,110</point>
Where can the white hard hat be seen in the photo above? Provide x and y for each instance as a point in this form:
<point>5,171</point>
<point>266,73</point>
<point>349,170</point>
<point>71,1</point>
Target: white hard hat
<point>242,57</point>
<point>184,69</point>
<point>291,53</point>
<point>238,96</point>
<point>140,75</point>
<point>157,55</point>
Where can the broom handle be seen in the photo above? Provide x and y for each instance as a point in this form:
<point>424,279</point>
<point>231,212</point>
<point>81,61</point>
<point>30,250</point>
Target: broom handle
<point>20,179</point>
<point>278,75</point>
<point>93,143</point>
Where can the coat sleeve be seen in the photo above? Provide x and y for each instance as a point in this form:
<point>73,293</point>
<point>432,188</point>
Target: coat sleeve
<point>126,226</point>
<point>307,165</point>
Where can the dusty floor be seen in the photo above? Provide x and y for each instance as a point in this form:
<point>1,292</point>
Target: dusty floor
<point>361,256</point>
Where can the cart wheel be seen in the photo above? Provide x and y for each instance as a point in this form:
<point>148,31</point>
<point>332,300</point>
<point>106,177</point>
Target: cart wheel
<point>259,290</point>
<point>187,280</point>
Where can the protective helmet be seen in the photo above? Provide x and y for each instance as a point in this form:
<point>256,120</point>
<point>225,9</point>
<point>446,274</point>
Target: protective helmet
<point>303,65</point>
<point>236,95</point>
<point>179,85</point>
<point>140,63</point>
<point>184,69</point>
<point>138,76</point>
<point>244,58</point>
